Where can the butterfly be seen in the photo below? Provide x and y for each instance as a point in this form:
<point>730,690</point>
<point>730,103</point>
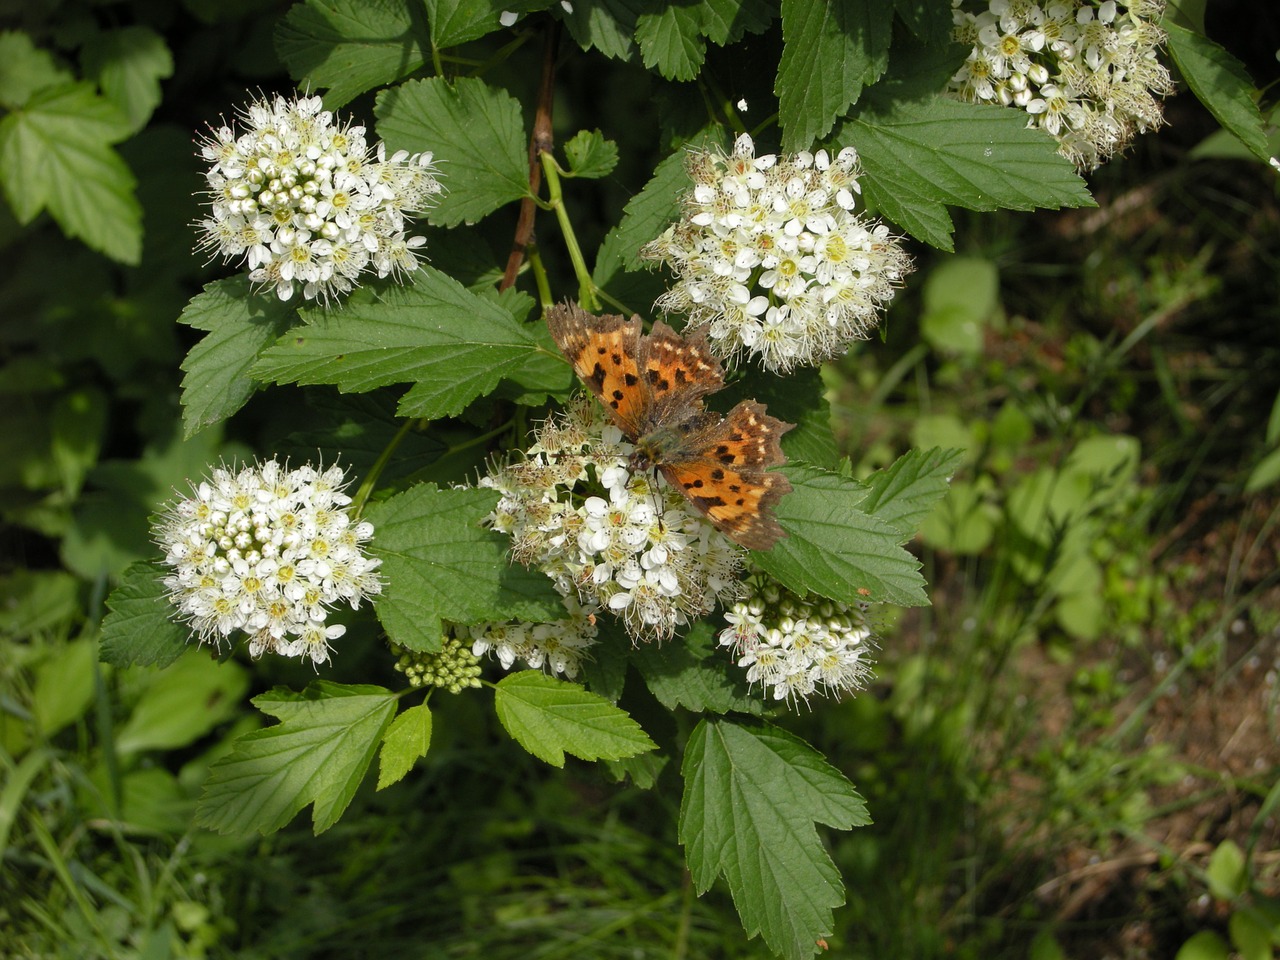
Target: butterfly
<point>653,385</point>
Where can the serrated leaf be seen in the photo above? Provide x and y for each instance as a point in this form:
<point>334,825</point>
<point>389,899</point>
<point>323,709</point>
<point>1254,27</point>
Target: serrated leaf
<point>406,740</point>
<point>904,493</point>
<point>350,46</point>
<point>550,718</point>
<point>128,65</point>
<point>590,155</point>
<point>476,134</point>
<point>317,754</point>
<point>453,345</point>
<point>605,25</point>
<point>751,798</point>
<point>658,203</point>
<point>831,50</point>
<point>24,69</point>
<point>460,21</point>
<point>55,154</point>
<point>835,548</point>
<point>726,21</point>
<point>922,155</point>
<point>140,628</point>
<point>438,563</point>
<point>1221,83</point>
<point>241,325</point>
<point>670,40</point>
<point>692,673</point>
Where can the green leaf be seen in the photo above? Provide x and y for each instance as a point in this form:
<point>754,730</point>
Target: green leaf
<point>453,345</point>
<point>751,798</point>
<point>438,563</point>
<point>460,21</point>
<point>128,65</point>
<point>1265,472</point>
<point>550,718</point>
<point>904,493</point>
<point>1227,874</point>
<point>1221,83</point>
<point>63,686</point>
<point>726,21</point>
<point>694,674</point>
<point>476,134</point>
<point>140,628</point>
<point>605,25</point>
<point>1205,945</point>
<point>24,69</point>
<point>961,297</point>
<point>671,41</point>
<point>658,203</point>
<point>32,601</point>
<point>929,20</point>
<point>55,154</point>
<point>835,548</point>
<point>317,754</point>
<point>182,703</point>
<point>407,739</point>
<point>921,155</point>
<point>590,154</point>
<point>241,325</point>
<point>350,46</point>
<point>831,51</point>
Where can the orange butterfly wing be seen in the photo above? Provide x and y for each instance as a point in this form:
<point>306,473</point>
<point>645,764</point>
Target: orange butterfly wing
<point>605,352</point>
<point>722,466</point>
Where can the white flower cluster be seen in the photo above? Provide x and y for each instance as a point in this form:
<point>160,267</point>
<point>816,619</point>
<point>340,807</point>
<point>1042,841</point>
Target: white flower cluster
<point>268,551</point>
<point>1085,71</point>
<point>558,646</point>
<point>770,257</point>
<point>614,541</point>
<point>799,646</point>
<point>302,199</point>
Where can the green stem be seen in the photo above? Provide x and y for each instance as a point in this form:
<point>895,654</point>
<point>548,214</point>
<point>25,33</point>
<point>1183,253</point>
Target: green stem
<point>366,487</point>
<point>586,289</point>
<point>534,256</point>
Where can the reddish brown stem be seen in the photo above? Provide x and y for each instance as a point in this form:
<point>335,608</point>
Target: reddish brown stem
<point>541,141</point>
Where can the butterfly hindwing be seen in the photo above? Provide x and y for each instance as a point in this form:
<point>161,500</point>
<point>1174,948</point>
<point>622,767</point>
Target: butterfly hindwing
<point>678,372</point>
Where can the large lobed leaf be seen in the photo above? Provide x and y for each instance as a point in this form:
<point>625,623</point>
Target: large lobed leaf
<point>476,134</point>
<point>240,325</point>
<point>550,717</point>
<point>920,155</point>
<point>317,754</point>
<point>835,547</point>
<point>439,563</point>
<point>55,155</point>
<point>1220,82</point>
<point>752,796</point>
<point>140,628</point>
<point>831,51</point>
<point>452,344</point>
<point>350,46</point>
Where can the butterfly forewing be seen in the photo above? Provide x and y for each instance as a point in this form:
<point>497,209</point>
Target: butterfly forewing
<point>679,372</point>
<point>605,353</point>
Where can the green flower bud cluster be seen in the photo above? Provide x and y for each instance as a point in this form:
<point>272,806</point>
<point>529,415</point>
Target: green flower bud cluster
<point>453,669</point>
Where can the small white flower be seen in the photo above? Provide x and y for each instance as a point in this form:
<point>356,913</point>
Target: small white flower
<point>771,258</point>
<point>302,201</point>
<point>1085,72</point>
<point>796,647</point>
<point>268,552</point>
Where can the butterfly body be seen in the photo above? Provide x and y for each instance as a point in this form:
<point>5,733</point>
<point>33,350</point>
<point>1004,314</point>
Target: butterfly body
<point>653,385</point>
